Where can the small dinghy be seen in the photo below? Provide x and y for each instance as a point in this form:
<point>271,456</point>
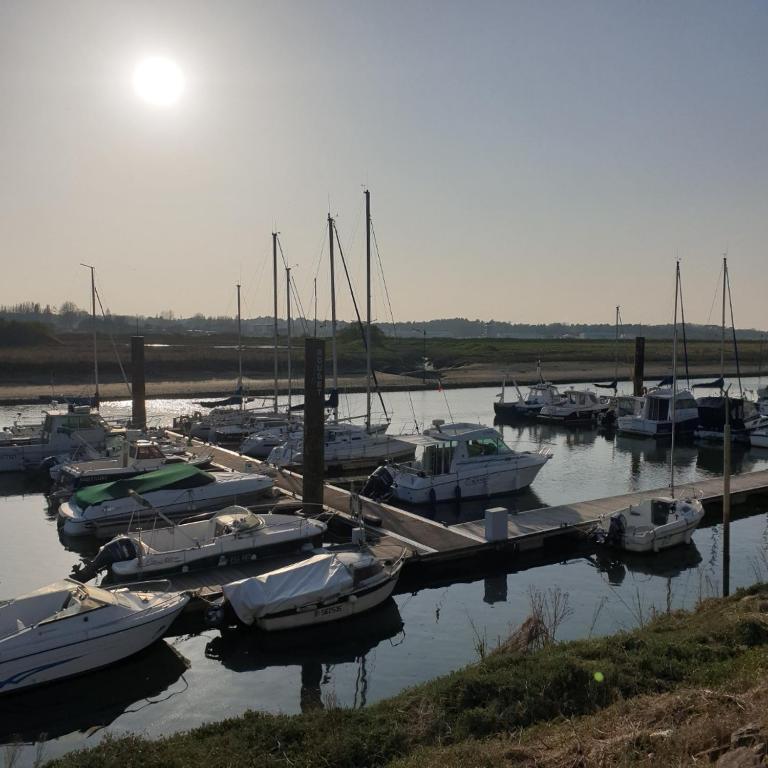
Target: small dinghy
<point>67,628</point>
<point>230,536</point>
<point>325,587</point>
<point>652,525</point>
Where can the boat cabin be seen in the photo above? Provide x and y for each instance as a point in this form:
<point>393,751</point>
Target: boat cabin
<point>442,446</point>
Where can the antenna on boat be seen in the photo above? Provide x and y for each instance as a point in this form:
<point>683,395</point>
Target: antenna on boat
<point>93,325</point>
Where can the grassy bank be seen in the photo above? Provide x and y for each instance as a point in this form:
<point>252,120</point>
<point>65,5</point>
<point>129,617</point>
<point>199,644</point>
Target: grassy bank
<point>180,358</point>
<point>655,696</point>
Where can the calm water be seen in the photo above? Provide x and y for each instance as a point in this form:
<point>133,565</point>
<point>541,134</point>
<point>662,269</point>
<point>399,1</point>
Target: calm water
<point>204,676</point>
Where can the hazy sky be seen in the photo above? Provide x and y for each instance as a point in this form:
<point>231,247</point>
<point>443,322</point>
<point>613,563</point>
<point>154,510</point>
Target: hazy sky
<point>528,161</point>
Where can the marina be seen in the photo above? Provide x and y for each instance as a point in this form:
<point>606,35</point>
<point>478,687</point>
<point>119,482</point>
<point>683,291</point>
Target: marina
<point>453,577</point>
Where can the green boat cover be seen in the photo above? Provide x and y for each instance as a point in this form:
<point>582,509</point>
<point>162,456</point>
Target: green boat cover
<point>168,478</point>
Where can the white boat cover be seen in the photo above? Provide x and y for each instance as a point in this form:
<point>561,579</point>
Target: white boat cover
<point>314,580</point>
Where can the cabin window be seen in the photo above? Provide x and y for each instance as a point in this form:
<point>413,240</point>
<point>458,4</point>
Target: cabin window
<point>658,409</point>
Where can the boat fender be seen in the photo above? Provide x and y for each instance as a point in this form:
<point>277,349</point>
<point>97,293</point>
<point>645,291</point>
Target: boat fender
<point>371,519</point>
<point>457,492</point>
<point>432,496</point>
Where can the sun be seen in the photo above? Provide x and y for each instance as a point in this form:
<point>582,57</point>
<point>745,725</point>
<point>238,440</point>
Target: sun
<point>158,81</point>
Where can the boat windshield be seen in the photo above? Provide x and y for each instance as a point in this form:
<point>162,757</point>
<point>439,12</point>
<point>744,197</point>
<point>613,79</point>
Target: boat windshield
<point>487,446</point>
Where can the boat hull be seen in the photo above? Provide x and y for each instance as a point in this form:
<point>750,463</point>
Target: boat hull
<point>480,483</point>
<point>104,521</point>
<point>172,562</point>
<point>77,653</point>
<point>341,608</point>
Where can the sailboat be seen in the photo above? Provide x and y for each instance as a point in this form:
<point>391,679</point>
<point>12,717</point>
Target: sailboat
<point>742,412</point>
<point>348,445</point>
<point>663,521</point>
<point>230,422</point>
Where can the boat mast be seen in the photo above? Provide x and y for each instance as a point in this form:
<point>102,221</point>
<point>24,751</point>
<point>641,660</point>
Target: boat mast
<point>288,313</point>
<point>616,353</point>
<point>368,311</point>
<point>274,329</point>
<point>93,326</point>
<point>673,399</point>
<point>334,357</point>
<point>722,326</point>
<point>239,350</point>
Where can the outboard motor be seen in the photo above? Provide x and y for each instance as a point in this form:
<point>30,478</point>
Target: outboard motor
<point>220,614</point>
<point>616,530</point>
<point>378,486</point>
<point>118,550</point>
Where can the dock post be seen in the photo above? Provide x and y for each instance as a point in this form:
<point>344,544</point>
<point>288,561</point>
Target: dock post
<point>639,372</point>
<point>314,402</point>
<point>138,389</point>
<point>496,524</point>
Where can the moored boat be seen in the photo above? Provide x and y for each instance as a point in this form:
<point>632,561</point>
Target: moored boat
<point>177,492</point>
<point>325,587</point>
<point>655,418</point>
<point>68,628</point>
<point>457,461</point>
<point>231,535</point>
<point>577,406</point>
<point>652,525</point>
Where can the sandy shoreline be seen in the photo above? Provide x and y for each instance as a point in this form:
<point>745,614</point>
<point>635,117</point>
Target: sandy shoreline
<point>466,376</point>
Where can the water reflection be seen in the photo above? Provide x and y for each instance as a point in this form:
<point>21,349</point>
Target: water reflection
<point>90,702</point>
<point>315,649</point>
<point>668,564</point>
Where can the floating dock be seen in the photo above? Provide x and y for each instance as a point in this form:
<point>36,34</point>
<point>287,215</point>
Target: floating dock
<point>435,545</point>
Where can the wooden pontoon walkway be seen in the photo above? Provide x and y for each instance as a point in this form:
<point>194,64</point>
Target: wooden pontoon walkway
<point>428,541</point>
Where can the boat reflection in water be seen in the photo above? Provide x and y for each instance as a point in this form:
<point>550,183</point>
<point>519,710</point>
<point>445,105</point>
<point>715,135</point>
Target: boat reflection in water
<point>665,564</point>
<point>94,700</point>
<point>311,648</point>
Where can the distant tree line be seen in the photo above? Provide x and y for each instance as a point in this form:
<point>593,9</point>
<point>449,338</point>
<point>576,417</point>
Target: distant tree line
<point>69,318</point>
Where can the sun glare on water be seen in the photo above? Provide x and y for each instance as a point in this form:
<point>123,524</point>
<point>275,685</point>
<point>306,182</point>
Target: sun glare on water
<point>158,81</point>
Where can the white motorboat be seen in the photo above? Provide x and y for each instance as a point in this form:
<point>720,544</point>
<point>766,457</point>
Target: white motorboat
<point>325,587</point>
<point>655,418</point>
<point>577,406</point>
<point>742,414</point>
<point>68,628</point>
<point>259,444</point>
<point>540,394</point>
<point>232,535</point>
<point>652,525</point>
<point>457,461</point>
<point>345,446</point>
<point>63,433</point>
<point>177,492</point>
<point>137,458</point>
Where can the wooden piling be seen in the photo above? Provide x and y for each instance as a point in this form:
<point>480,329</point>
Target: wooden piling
<point>639,372</point>
<point>138,388</point>
<point>314,397</point>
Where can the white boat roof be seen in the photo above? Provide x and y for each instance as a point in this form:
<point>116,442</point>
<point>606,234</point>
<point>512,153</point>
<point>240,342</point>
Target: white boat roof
<point>460,431</point>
